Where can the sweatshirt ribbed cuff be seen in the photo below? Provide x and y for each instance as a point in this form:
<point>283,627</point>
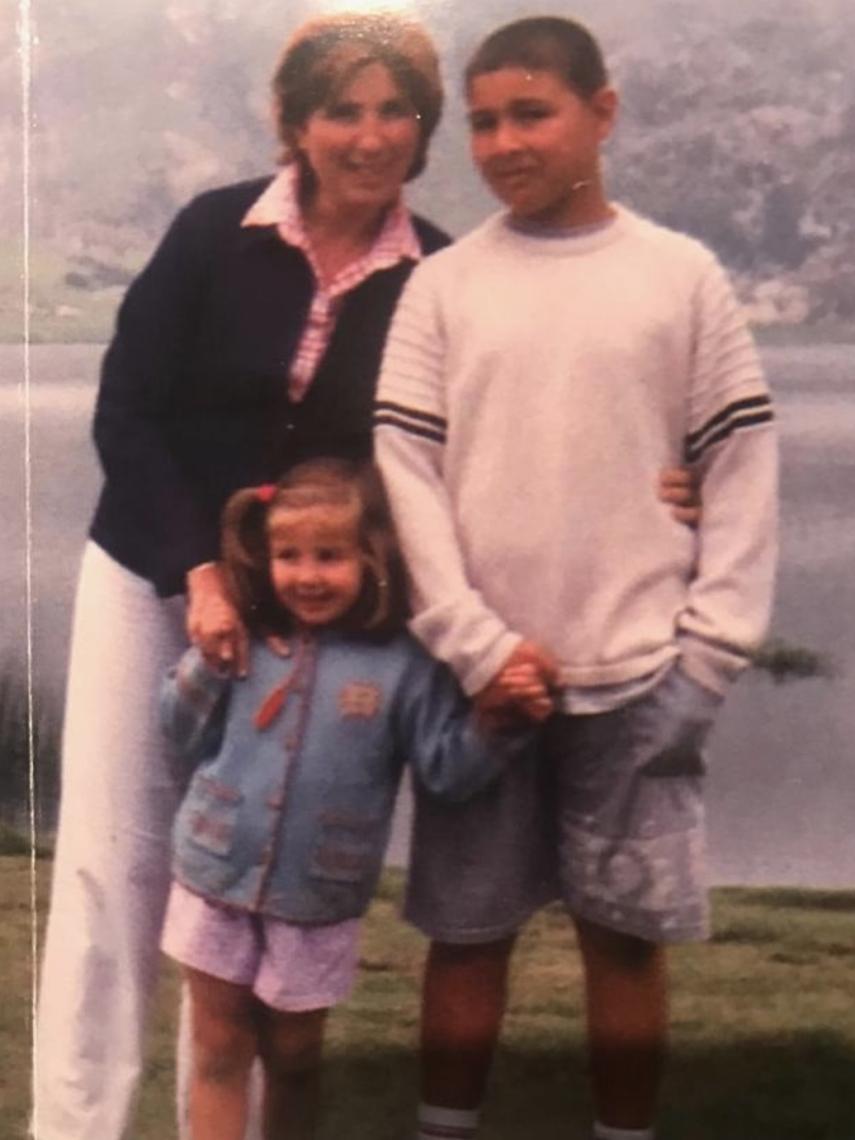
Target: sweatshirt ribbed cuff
<point>479,674</point>
<point>713,666</point>
<point>468,637</point>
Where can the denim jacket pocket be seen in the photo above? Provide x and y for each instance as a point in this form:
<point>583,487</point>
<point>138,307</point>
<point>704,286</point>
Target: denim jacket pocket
<point>206,834</point>
<point>681,714</point>
<point>348,848</point>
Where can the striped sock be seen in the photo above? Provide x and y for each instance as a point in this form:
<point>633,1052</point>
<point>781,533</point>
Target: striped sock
<point>437,1123</point>
<point>604,1132</point>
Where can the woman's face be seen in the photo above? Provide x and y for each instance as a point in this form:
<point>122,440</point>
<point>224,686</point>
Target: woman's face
<point>362,144</point>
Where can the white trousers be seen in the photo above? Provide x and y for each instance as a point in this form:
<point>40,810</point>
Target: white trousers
<point>111,866</point>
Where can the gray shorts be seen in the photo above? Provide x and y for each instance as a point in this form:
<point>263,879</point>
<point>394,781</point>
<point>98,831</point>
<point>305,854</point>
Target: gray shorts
<point>478,870</point>
<point>629,811</point>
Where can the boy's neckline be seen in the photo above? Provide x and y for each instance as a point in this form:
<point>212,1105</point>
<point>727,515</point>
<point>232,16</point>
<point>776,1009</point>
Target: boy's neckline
<point>553,233</point>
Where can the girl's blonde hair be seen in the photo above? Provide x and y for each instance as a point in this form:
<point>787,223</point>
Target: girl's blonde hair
<point>380,609</point>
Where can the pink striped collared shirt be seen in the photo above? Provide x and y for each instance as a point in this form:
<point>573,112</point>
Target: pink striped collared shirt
<point>278,206</point>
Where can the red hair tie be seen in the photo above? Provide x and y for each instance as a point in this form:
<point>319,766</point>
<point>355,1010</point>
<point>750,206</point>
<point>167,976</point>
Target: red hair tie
<point>265,492</point>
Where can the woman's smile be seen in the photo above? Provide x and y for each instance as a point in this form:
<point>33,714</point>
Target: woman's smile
<point>362,144</point>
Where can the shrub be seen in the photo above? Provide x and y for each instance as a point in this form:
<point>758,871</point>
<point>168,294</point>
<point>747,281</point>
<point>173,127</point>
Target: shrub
<point>786,661</point>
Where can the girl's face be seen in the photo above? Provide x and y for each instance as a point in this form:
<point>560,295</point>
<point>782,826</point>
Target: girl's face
<point>316,565</point>
<point>534,138</point>
<point>361,145</point>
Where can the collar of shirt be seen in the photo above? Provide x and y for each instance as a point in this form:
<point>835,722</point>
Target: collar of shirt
<point>278,206</point>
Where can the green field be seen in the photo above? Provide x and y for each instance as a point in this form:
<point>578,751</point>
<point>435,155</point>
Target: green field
<point>763,1040</point>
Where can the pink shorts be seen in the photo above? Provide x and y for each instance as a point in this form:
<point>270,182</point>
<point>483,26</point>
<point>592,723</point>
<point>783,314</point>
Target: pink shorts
<point>289,968</point>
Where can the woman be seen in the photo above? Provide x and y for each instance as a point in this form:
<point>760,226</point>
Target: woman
<point>251,341</point>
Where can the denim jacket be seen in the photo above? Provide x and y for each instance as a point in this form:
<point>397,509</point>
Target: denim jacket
<point>289,809</point>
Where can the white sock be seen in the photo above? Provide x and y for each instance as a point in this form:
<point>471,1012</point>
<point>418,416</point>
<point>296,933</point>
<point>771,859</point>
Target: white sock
<point>437,1123</point>
<point>604,1132</point>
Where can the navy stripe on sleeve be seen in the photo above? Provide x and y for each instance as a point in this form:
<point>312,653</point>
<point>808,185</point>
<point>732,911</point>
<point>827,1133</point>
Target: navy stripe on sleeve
<point>748,412</point>
<point>410,420</point>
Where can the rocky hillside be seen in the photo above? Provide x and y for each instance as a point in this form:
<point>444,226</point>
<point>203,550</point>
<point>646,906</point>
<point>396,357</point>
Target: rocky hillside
<point>738,126</point>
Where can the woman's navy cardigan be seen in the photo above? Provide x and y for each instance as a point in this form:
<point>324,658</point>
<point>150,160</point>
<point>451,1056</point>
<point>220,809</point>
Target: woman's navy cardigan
<point>193,401</point>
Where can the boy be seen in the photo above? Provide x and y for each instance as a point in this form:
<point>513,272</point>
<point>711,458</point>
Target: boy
<point>537,375</point>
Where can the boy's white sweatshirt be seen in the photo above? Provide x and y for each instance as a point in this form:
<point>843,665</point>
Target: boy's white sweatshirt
<point>532,390</point>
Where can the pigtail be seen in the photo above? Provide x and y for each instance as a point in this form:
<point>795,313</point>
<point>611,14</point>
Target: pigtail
<point>245,556</point>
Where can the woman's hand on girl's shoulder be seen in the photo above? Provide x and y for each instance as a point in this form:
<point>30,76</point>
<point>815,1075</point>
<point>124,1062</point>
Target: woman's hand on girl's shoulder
<point>214,625</point>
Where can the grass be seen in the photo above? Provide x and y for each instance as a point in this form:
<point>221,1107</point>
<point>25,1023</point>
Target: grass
<point>17,740</point>
<point>60,313</point>
<point>763,1038</point>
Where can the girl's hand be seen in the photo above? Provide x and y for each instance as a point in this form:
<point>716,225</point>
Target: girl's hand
<point>519,689</point>
<point>213,623</point>
<point>524,687</point>
<point>681,487</point>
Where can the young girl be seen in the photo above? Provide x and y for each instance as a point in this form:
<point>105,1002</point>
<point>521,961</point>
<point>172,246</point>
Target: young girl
<point>280,838</point>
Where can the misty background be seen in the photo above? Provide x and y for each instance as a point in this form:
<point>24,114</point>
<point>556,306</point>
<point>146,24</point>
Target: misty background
<point>738,125</point>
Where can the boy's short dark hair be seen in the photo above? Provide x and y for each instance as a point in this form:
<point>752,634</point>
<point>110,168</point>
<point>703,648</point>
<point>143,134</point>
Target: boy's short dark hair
<point>544,43</point>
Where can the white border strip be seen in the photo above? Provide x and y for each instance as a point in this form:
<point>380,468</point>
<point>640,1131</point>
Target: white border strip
<point>25,47</point>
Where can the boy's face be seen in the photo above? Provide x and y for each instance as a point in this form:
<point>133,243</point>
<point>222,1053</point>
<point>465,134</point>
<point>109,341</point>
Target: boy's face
<point>534,138</point>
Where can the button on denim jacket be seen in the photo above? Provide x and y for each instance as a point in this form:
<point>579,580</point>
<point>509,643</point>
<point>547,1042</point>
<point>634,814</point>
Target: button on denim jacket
<point>297,766</point>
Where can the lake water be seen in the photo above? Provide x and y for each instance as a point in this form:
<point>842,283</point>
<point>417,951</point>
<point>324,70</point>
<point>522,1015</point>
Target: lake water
<point>782,782</point>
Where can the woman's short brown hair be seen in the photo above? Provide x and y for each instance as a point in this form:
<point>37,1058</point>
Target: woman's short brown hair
<point>326,52</point>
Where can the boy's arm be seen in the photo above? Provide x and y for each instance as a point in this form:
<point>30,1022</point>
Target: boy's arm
<point>193,703</point>
<point>732,443</point>
<point>451,617</point>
